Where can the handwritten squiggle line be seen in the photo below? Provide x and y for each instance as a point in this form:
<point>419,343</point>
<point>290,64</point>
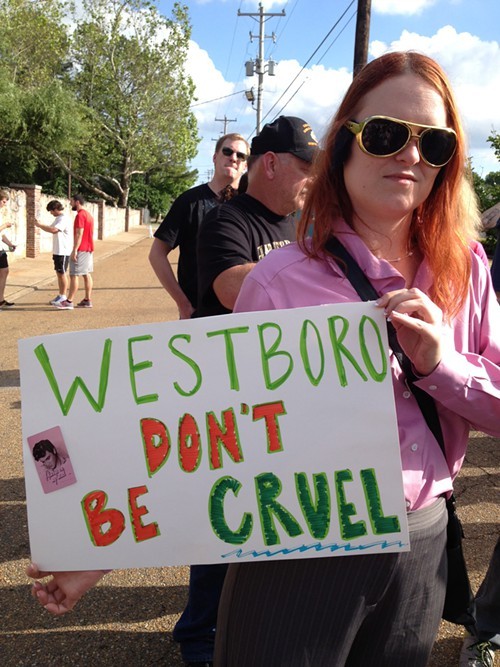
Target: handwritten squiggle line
<point>318,546</point>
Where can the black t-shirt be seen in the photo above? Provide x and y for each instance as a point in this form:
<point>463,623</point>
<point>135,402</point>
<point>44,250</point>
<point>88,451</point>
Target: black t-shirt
<point>242,230</point>
<point>180,228</point>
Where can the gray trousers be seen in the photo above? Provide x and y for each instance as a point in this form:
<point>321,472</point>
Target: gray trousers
<point>380,610</point>
<point>488,603</point>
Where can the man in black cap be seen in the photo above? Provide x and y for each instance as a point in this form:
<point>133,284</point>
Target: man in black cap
<point>238,234</point>
<point>231,239</point>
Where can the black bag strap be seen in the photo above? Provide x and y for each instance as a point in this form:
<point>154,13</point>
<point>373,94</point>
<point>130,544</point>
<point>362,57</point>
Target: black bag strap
<point>367,292</point>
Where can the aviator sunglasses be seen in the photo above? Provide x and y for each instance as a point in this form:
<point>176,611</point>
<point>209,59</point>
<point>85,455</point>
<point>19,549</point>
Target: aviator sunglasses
<point>382,136</point>
<point>229,151</point>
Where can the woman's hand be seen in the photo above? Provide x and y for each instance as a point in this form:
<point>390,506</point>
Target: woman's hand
<point>418,323</point>
<point>61,593</point>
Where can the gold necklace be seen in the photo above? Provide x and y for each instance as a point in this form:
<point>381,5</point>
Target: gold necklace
<point>398,259</point>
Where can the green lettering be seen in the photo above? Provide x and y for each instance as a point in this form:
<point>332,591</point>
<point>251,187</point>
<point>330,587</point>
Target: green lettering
<point>268,488</point>
<point>316,512</point>
<point>378,376</point>
<point>314,380</point>
<point>267,354</point>
<point>135,368</point>
<point>348,530</point>
<point>339,349</point>
<point>65,404</point>
<point>380,524</point>
<point>190,362</point>
<point>230,360</point>
<point>216,513</point>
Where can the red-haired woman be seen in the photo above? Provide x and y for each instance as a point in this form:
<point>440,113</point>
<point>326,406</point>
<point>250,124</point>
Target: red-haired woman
<point>390,186</point>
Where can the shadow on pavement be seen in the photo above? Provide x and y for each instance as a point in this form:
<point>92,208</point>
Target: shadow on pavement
<point>114,649</point>
<point>102,605</point>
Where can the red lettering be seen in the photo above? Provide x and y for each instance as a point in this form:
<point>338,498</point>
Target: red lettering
<point>156,439</point>
<point>141,532</point>
<point>105,525</point>
<point>270,412</point>
<point>189,443</point>
<point>226,434</point>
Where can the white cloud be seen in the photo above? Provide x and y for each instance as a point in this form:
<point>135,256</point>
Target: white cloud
<point>314,96</point>
<point>473,67</point>
<point>402,7</point>
<point>250,5</point>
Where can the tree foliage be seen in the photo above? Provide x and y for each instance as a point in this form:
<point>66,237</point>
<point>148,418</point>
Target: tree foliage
<point>494,140</point>
<point>34,43</point>
<point>488,193</point>
<point>129,64</point>
<point>488,188</point>
<point>107,102</point>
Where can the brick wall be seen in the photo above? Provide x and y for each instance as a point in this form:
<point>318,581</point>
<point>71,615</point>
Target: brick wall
<point>27,203</point>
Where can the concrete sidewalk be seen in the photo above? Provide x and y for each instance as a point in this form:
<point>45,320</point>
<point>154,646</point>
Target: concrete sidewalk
<point>27,274</point>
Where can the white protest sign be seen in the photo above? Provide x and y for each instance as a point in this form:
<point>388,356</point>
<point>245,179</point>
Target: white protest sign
<point>245,437</point>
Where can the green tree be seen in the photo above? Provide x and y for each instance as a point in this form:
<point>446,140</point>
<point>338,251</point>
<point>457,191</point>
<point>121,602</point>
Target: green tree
<point>157,190</point>
<point>129,73</point>
<point>488,188</point>
<point>34,43</point>
<point>39,117</point>
<point>494,140</point>
<point>488,193</point>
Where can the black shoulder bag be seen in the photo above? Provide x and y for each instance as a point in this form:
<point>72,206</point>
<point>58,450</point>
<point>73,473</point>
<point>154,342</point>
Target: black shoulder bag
<point>459,601</point>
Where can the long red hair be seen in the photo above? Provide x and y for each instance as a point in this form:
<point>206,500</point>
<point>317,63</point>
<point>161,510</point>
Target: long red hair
<point>442,226</point>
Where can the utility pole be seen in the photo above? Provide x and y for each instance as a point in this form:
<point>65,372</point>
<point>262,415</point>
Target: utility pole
<point>362,35</point>
<point>259,67</point>
<point>225,120</point>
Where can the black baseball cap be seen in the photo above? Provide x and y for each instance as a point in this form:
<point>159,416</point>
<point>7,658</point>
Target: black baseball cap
<point>287,134</point>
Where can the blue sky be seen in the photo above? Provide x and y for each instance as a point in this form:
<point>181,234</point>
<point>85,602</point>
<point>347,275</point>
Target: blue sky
<point>310,81</point>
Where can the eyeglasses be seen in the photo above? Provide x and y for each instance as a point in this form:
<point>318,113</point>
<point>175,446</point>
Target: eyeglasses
<point>382,136</point>
<point>229,151</point>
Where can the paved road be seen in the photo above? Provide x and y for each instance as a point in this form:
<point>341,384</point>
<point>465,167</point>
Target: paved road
<point>128,619</point>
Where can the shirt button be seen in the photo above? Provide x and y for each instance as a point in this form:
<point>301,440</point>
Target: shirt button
<point>414,447</point>
<point>406,394</point>
<point>432,387</point>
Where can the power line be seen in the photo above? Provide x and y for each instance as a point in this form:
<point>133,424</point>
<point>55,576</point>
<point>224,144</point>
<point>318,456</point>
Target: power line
<point>216,99</point>
<point>317,63</point>
<point>226,122</point>
<point>310,58</point>
<point>259,66</point>
<point>288,17</point>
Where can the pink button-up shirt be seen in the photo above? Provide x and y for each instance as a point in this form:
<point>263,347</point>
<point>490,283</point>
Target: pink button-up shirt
<point>465,384</point>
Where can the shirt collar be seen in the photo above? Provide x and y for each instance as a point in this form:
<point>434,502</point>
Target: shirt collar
<point>374,268</point>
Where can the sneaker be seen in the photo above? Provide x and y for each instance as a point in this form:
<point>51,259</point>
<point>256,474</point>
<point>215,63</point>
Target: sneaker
<point>65,305</point>
<point>84,303</point>
<point>6,304</point>
<point>476,653</point>
<point>57,300</point>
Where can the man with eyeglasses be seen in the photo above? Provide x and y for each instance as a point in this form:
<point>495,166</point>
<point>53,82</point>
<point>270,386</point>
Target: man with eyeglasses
<point>237,235</point>
<point>180,225</point>
<point>231,239</point>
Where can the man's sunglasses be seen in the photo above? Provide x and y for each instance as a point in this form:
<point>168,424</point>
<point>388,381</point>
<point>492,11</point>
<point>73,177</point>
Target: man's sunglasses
<point>382,136</point>
<point>229,151</point>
